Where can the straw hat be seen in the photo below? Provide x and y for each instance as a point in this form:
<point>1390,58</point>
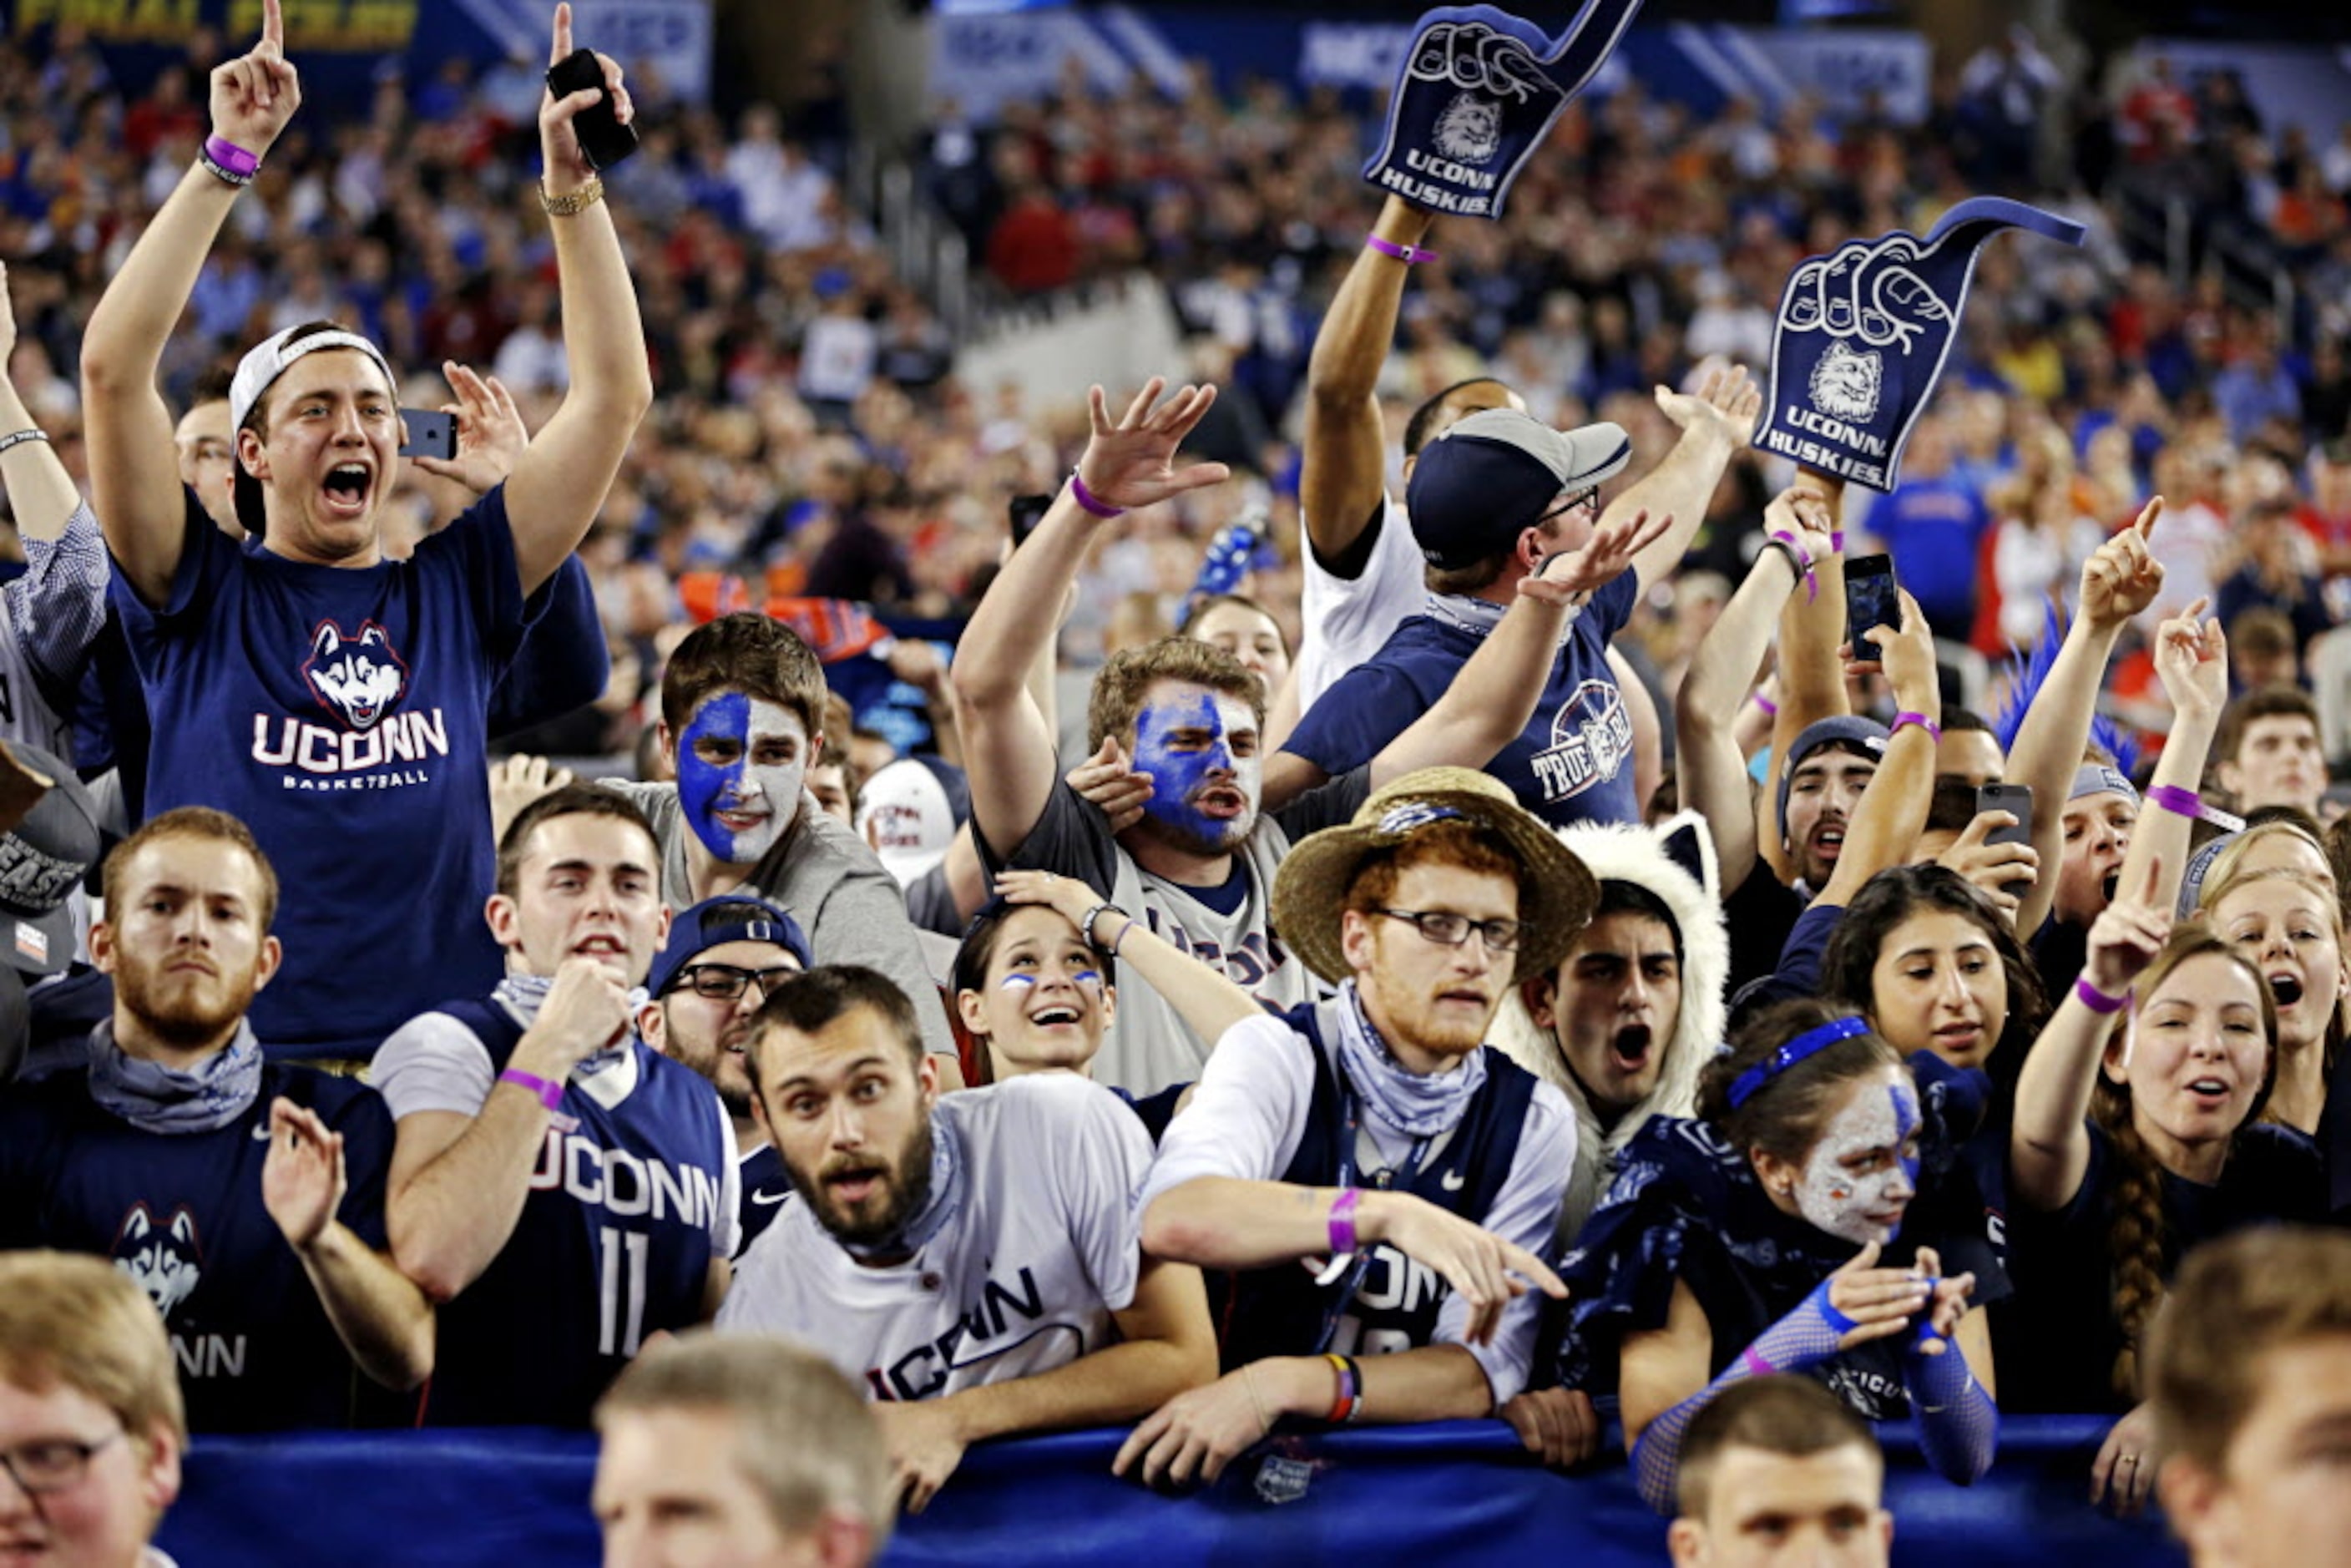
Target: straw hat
<point>1310,890</point>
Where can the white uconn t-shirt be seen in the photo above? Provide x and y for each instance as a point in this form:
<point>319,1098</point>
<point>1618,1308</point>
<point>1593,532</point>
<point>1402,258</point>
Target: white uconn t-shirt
<point>1024,1277</point>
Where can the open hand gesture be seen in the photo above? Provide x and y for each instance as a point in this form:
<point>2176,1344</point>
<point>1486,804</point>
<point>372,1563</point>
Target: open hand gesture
<point>1131,463</point>
<point>1562,578</point>
<point>1727,402</point>
<point>255,95</point>
<point>302,1178</point>
<point>568,168</point>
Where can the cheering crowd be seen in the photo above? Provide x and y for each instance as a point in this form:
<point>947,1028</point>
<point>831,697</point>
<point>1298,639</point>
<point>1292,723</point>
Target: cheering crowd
<point>1516,946</point>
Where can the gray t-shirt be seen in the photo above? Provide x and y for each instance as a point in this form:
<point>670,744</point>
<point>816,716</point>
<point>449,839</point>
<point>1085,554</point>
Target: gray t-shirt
<point>826,877</point>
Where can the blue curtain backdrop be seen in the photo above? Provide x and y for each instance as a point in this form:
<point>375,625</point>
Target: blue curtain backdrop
<point>1456,1492</point>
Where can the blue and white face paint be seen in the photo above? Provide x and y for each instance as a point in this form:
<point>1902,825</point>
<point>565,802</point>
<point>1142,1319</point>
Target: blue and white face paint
<point>1863,1171</point>
<point>741,763</point>
<point>1200,748</point>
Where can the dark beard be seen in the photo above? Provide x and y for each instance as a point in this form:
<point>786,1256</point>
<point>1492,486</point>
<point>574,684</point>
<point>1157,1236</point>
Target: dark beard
<point>181,1025</point>
<point>910,1188</point>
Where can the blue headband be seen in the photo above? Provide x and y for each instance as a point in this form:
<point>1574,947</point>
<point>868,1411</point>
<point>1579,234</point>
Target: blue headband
<point>1812,1042</point>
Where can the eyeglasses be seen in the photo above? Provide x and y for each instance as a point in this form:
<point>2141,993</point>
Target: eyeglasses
<point>1580,498</point>
<point>725,982</point>
<point>52,1464</point>
<point>1447,929</point>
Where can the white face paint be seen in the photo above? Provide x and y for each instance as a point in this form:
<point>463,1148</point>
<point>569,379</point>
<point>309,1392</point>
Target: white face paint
<point>1863,1169</point>
<point>741,763</point>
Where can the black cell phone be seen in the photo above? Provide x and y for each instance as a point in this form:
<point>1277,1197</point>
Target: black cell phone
<point>1027,512</point>
<point>602,137</point>
<point>1869,602</point>
<point>2016,799</point>
<point>431,433</point>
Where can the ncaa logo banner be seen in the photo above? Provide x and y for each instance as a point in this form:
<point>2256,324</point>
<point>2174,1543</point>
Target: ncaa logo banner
<point>1480,89</point>
<point>1863,333</point>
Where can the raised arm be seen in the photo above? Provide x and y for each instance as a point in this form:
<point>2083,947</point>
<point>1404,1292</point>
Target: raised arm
<point>1892,811</point>
<point>1812,673</point>
<point>41,494</point>
<point>1129,464</point>
<point>2049,1140</point>
<point>2191,660</point>
<point>134,471</point>
<point>1716,421</point>
<point>382,1319</point>
<point>1709,766</point>
<point>559,484</point>
<point>2118,580</point>
<point>1493,696</point>
<point>1343,466</point>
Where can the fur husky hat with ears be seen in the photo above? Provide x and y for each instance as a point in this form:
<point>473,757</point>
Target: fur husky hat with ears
<point>1673,861</point>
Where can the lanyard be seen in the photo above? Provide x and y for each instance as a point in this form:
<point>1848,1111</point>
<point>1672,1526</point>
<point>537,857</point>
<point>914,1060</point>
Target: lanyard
<point>1398,1177</point>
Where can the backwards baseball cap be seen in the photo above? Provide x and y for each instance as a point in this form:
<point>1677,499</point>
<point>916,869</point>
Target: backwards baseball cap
<point>2098,778</point>
<point>909,812</point>
<point>42,859</point>
<point>1865,736</point>
<point>714,923</point>
<point>1494,474</point>
<point>259,370</point>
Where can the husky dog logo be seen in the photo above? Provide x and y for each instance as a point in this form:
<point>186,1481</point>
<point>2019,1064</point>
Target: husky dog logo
<point>1846,384</point>
<point>164,1262</point>
<point>1470,129</point>
<point>359,676</point>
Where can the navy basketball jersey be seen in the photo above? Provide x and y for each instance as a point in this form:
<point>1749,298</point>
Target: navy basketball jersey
<point>182,1214</point>
<point>1280,1311</point>
<point>614,1243</point>
<point>765,1188</point>
<point>340,714</point>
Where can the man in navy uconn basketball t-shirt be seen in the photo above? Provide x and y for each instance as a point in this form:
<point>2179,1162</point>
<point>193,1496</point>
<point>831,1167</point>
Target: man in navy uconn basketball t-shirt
<point>566,1190</point>
<point>333,698</point>
<point>245,1198</point>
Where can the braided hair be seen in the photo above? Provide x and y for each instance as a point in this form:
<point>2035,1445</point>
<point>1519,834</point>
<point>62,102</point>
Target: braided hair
<point>2138,1232</point>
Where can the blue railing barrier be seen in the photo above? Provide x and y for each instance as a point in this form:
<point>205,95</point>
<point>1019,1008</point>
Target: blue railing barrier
<point>1450,1492</point>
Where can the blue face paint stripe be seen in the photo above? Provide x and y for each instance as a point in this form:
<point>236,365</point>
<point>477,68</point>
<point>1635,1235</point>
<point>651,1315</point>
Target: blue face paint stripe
<point>703,787</point>
<point>1176,776</point>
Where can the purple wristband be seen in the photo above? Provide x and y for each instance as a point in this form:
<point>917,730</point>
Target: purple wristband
<point>1089,501</point>
<point>550,1094</point>
<point>2097,1001</point>
<point>1343,1221</point>
<point>1922,721</point>
<point>2187,803</point>
<point>1407,254</point>
<point>1756,1365</point>
<point>234,161</point>
<point>1836,540</point>
<point>1802,559</point>
<point>1767,705</point>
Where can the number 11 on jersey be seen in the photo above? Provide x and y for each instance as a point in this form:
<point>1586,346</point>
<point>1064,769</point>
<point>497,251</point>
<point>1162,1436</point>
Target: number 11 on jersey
<point>622,1315</point>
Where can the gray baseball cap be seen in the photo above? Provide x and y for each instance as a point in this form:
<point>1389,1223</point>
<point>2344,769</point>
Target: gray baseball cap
<point>1495,473</point>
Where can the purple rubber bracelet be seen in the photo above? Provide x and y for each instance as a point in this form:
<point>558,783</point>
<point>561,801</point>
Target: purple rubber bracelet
<point>1756,1365</point>
<point>233,159</point>
<point>2097,1001</point>
<point>1802,559</point>
<point>1407,254</point>
<point>1922,721</point>
<point>1767,705</point>
<point>1343,1221</point>
<point>2187,803</point>
<point>1089,501</point>
<point>1836,540</point>
<point>550,1094</point>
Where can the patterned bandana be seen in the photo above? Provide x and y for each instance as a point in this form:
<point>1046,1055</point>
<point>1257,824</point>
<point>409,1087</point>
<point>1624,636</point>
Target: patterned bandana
<point>154,1098</point>
<point>1419,1105</point>
<point>524,995</point>
<point>945,1198</point>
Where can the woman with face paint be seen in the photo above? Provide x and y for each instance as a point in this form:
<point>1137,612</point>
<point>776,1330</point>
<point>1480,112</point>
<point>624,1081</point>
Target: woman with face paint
<point>1035,984</point>
<point>2131,1146</point>
<point>1751,1241</point>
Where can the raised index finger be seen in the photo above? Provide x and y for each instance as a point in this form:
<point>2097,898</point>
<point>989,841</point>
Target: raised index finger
<point>562,35</point>
<point>2146,524</point>
<point>273,29</point>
